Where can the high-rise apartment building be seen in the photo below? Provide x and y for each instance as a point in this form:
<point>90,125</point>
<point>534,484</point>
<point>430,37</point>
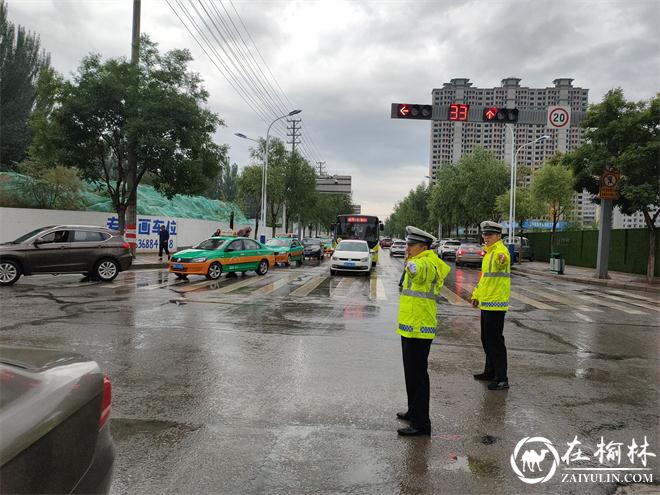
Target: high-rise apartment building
<point>450,140</point>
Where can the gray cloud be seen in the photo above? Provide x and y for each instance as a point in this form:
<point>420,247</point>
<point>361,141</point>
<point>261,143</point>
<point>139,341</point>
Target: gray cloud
<point>343,63</point>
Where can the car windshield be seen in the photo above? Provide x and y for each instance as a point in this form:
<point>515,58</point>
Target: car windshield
<point>312,242</point>
<point>278,242</point>
<point>399,243</point>
<point>470,245</point>
<point>353,246</point>
<point>210,244</point>
<point>30,234</point>
<point>452,243</point>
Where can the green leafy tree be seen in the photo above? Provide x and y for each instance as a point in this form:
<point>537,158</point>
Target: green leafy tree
<point>553,187</point>
<point>157,105</point>
<point>465,192</point>
<point>299,188</point>
<point>276,184</point>
<point>328,206</point>
<point>50,187</point>
<point>21,61</point>
<point>412,210</point>
<point>249,191</point>
<point>527,206</point>
<point>625,135</point>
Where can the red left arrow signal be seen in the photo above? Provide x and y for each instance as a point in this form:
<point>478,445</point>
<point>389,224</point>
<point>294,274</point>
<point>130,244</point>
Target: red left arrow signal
<point>404,110</point>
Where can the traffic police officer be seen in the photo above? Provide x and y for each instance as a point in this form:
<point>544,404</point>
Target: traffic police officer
<point>424,275</point>
<point>491,296</point>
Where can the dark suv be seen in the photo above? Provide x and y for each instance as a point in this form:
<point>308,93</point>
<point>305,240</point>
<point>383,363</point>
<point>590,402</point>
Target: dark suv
<point>93,251</point>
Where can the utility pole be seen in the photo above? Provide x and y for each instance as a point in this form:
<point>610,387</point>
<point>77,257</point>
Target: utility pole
<point>321,171</point>
<point>131,179</point>
<point>295,140</point>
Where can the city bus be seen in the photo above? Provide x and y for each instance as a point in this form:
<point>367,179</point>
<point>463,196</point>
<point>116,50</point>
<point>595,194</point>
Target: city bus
<point>362,227</point>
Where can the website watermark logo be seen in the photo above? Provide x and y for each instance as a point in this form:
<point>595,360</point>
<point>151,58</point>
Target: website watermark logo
<point>531,460</point>
<point>536,460</point>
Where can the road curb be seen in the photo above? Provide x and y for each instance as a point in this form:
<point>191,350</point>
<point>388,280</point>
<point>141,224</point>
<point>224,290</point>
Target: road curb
<point>591,281</point>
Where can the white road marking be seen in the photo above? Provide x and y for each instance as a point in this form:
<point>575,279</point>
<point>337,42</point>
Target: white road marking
<point>563,300</point>
<point>453,298</point>
<point>584,317</point>
<point>610,304</point>
<point>628,301</point>
<point>532,302</point>
<point>306,288</point>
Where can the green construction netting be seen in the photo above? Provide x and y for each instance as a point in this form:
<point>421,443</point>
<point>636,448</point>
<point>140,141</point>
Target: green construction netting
<point>150,202</point>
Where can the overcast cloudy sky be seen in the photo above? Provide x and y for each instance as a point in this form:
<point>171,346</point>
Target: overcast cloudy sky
<point>344,62</point>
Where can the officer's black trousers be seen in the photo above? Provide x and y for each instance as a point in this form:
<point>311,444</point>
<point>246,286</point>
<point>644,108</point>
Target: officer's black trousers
<point>415,367</point>
<point>492,339</point>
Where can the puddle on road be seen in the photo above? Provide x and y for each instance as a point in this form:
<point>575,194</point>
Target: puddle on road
<point>469,464</point>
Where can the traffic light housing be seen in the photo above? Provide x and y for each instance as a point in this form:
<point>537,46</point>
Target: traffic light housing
<point>411,111</point>
<point>504,115</point>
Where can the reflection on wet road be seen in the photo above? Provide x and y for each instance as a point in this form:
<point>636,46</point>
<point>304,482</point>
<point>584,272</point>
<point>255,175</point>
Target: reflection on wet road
<point>288,383</point>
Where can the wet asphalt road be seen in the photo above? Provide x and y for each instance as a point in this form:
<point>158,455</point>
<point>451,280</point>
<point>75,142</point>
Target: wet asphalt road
<point>289,383</point>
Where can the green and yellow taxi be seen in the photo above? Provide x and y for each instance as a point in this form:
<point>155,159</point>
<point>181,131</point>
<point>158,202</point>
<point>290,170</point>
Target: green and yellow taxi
<point>287,250</point>
<point>222,254</point>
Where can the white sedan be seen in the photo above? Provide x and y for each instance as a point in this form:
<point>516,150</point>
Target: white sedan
<point>351,256</point>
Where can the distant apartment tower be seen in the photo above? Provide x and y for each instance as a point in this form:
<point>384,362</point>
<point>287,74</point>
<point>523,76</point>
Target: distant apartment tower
<point>334,184</point>
<point>450,140</point>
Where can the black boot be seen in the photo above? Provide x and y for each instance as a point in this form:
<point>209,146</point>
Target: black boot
<point>411,431</point>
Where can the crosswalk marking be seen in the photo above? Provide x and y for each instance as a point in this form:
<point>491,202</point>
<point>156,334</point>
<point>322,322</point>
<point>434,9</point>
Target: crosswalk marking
<point>563,300</point>
<point>243,283</point>
<point>169,283</point>
<point>309,286</point>
<point>621,299</point>
<point>634,296</point>
<point>380,295</point>
<point>272,287</point>
<point>532,302</point>
<point>452,297</point>
<point>191,286</point>
<point>342,288</point>
<point>584,317</point>
<point>610,304</point>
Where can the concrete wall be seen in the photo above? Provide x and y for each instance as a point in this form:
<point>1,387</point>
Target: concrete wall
<point>184,232</point>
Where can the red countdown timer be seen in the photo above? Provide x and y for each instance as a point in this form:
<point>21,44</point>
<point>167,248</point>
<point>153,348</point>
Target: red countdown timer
<point>458,112</point>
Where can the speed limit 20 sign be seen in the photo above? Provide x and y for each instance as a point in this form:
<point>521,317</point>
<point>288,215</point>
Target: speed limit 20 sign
<point>559,117</point>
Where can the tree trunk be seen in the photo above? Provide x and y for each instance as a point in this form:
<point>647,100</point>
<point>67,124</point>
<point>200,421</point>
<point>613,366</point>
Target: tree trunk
<point>121,219</point>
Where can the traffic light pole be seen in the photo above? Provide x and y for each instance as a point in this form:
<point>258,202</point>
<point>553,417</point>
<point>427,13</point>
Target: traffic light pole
<point>130,218</point>
<point>605,227</point>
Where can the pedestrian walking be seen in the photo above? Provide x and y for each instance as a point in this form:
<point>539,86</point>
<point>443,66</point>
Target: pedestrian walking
<point>491,296</point>
<point>423,277</point>
<point>163,240</point>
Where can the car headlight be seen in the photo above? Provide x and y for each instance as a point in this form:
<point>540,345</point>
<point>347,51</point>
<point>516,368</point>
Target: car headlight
<point>365,259</point>
<point>198,260</point>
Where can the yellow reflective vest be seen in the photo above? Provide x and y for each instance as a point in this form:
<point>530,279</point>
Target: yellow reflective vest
<point>424,276</point>
<point>494,288</point>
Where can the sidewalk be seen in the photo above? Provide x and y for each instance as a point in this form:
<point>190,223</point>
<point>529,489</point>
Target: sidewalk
<point>583,275</point>
<point>148,260</point>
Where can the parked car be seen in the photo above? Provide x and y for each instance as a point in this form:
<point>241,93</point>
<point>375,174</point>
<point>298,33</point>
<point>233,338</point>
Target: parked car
<point>351,255</point>
<point>313,248</point>
<point>327,246</point>
<point>54,418</point>
<point>386,242</point>
<point>398,248</point>
<point>447,249</point>
<point>523,249</point>
<point>222,254</point>
<point>95,251</point>
<point>469,253</point>
<point>287,250</point>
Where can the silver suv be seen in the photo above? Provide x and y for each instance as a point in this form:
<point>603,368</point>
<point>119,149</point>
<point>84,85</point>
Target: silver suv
<point>448,248</point>
<point>93,251</point>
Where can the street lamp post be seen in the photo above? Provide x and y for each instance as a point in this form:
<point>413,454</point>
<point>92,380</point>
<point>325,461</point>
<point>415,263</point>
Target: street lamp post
<point>264,177</point>
<point>512,190</point>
